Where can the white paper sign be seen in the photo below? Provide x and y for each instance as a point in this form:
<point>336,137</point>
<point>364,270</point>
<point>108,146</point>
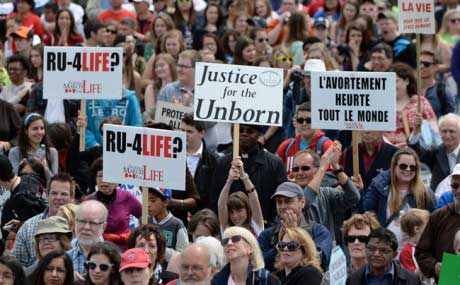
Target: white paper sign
<point>170,113</point>
<point>144,157</point>
<point>416,16</point>
<point>338,267</point>
<point>238,94</point>
<point>82,73</point>
<point>353,100</point>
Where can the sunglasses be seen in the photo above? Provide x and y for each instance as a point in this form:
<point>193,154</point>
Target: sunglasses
<point>184,1</point>
<point>284,58</point>
<point>426,63</point>
<point>351,239</point>
<point>454,185</point>
<point>92,266</point>
<point>303,168</point>
<point>112,31</point>
<point>263,40</point>
<point>453,21</point>
<point>291,246</point>
<point>302,120</point>
<point>404,166</point>
<point>234,239</point>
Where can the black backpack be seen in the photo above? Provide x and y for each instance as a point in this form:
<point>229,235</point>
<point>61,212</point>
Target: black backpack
<point>27,196</point>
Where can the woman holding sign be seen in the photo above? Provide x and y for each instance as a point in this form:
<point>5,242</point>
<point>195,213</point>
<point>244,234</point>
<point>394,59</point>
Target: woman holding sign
<point>65,33</point>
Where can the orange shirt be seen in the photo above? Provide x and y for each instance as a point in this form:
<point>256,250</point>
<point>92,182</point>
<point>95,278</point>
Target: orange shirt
<point>32,22</point>
<point>110,15</point>
<point>273,23</point>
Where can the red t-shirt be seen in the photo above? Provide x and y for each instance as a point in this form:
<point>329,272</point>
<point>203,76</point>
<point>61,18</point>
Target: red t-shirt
<point>110,15</point>
<point>51,40</point>
<point>32,22</point>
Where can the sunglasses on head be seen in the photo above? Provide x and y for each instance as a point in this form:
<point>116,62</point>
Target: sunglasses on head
<point>298,168</point>
<point>302,120</point>
<point>234,239</point>
<point>426,63</point>
<point>350,239</point>
<point>92,266</point>
<point>291,246</point>
<point>404,166</point>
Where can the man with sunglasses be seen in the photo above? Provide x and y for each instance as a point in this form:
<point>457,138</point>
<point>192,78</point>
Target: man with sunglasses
<point>290,202</point>
<point>440,232</point>
<point>381,249</point>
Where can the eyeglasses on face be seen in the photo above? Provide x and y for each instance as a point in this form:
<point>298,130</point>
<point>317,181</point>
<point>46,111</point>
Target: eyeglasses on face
<point>93,265</point>
<point>234,239</point>
<point>300,121</point>
<point>404,166</point>
<point>303,168</point>
<point>352,238</point>
<point>290,246</point>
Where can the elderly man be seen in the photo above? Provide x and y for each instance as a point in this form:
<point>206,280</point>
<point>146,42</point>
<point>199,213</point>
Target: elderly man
<point>443,158</point>
<point>61,191</point>
<point>439,233</point>
<point>90,223</point>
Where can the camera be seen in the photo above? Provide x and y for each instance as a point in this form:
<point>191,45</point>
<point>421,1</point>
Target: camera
<point>298,75</point>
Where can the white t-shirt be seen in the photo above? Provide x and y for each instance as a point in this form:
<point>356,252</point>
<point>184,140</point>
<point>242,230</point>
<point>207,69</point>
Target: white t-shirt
<point>54,112</point>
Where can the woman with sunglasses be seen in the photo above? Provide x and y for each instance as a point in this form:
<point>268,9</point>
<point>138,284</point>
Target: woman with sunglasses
<point>103,264</point>
<point>245,261</point>
<point>298,259</point>
<point>54,269</point>
<point>398,189</point>
<point>450,28</point>
<point>355,232</point>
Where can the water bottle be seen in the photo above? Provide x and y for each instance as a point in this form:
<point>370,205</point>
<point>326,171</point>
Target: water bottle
<point>40,154</point>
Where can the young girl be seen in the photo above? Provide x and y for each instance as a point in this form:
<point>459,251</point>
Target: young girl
<point>36,58</point>
<point>33,143</point>
<point>65,33</point>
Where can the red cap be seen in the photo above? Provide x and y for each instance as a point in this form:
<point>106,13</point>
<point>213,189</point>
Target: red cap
<point>134,257</point>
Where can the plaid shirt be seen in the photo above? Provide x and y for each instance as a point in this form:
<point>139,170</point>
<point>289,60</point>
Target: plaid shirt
<point>24,245</point>
<point>78,258</point>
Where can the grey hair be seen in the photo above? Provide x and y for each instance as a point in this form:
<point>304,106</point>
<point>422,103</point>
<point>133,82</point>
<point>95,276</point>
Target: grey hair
<point>93,204</point>
<point>215,251</point>
<point>450,116</point>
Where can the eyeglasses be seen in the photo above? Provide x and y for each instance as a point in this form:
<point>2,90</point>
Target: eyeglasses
<point>284,58</point>
<point>184,1</point>
<point>350,239</point>
<point>90,223</point>
<point>114,32</point>
<point>12,69</point>
<point>92,266</point>
<point>234,239</point>
<point>263,40</point>
<point>404,166</point>
<point>303,168</point>
<point>184,66</point>
<point>454,185</point>
<point>384,251</point>
<point>49,238</point>
<point>426,64</point>
<point>302,120</point>
<point>455,20</point>
<point>291,246</point>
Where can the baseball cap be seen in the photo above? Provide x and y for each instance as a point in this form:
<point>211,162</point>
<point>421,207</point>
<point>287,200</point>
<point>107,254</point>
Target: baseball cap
<point>320,21</point>
<point>22,32</point>
<point>387,15</point>
<point>166,194</point>
<point>149,2</point>
<point>288,189</point>
<point>6,169</point>
<point>134,258</point>
<point>54,224</point>
<point>314,65</point>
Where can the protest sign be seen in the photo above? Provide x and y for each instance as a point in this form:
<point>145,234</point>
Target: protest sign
<point>353,100</point>
<point>144,157</point>
<point>238,94</point>
<point>338,267</point>
<point>170,113</point>
<point>82,73</point>
<point>416,16</point>
<point>450,270</point>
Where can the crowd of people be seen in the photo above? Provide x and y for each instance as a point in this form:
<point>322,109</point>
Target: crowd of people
<point>270,214</point>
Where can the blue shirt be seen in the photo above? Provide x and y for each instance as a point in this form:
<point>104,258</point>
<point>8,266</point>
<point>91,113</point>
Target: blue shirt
<point>78,259</point>
<point>371,279</point>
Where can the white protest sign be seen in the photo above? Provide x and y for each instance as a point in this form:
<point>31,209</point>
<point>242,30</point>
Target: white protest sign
<point>144,157</point>
<point>338,267</point>
<point>170,113</point>
<point>238,94</point>
<point>416,16</point>
<point>82,73</point>
<point>353,100</point>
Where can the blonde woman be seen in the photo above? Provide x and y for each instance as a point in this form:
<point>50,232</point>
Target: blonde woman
<point>320,51</point>
<point>245,261</point>
<point>450,29</point>
<point>298,259</point>
<point>68,211</point>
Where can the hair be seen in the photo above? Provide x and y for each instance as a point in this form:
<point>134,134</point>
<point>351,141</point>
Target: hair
<point>268,7</point>
<point>172,68</point>
<point>304,107</point>
<point>113,120</point>
<point>338,6</point>
<point>342,21</point>
<point>220,19</point>
<point>24,61</point>
<point>31,3</point>
<point>279,51</point>
<point>255,258</point>
<point>112,252</point>
<point>208,219</point>
<point>92,26</point>
<point>445,21</point>
<point>386,236</point>
<point>242,14</point>
<point>188,119</point>
<point>65,240</point>
<point>52,6</point>
<point>179,19</point>
<point>450,116</point>
<point>73,34</point>
<point>145,231</point>
<point>45,262</point>
<point>369,22</point>
<point>63,177</point>
<point>241,43</point>
<point>68,212</point>
<point>236,201</point>
<point>383,47</point>
<point>329,61</point>
<point>360,221</point>
<point>128,67</point>
<point>261,59</point>
<point>420,192</point>
<point>414,218</point>
<point>16,268</point>
<point>405,71</point>
<point>191,54</point>
<point>171,34</point>
<point>23,140</point>
<point>316,158</point>
<point>225,40</point>
<point>220,53</point>
<point>168,21</point>
<point>37,167</point>
<point>364,47</point>
<point>310,254</point>
<point>60,135</point>
<point>130,22</point>
<point>215,251</point>
<point>97,166</point>
<point>297,27</point>
<point>39,49</point>
<point>102,217</point>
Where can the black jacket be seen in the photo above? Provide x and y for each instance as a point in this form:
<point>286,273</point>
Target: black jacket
<point>204,174</point>
<point>266,172</point>
<point>402,276</point>
<point>300,275</point>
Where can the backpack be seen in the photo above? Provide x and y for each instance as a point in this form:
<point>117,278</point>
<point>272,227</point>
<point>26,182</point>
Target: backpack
<point>318,146</point>
<point>26,195</point>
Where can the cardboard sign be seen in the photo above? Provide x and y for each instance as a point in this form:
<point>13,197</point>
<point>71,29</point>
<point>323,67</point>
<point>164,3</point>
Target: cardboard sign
<point>82,73</point>
<point>338,267</point>
<point>353,101</point>
<point>144,157</point>
<point>450,270</point>
<point>416,16</point>
<point>238,94</point>
<point>170,113</point>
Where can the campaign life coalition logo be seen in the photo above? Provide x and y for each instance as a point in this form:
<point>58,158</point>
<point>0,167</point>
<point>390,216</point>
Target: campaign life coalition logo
<point>143,173</point>
<point>82,87</point>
